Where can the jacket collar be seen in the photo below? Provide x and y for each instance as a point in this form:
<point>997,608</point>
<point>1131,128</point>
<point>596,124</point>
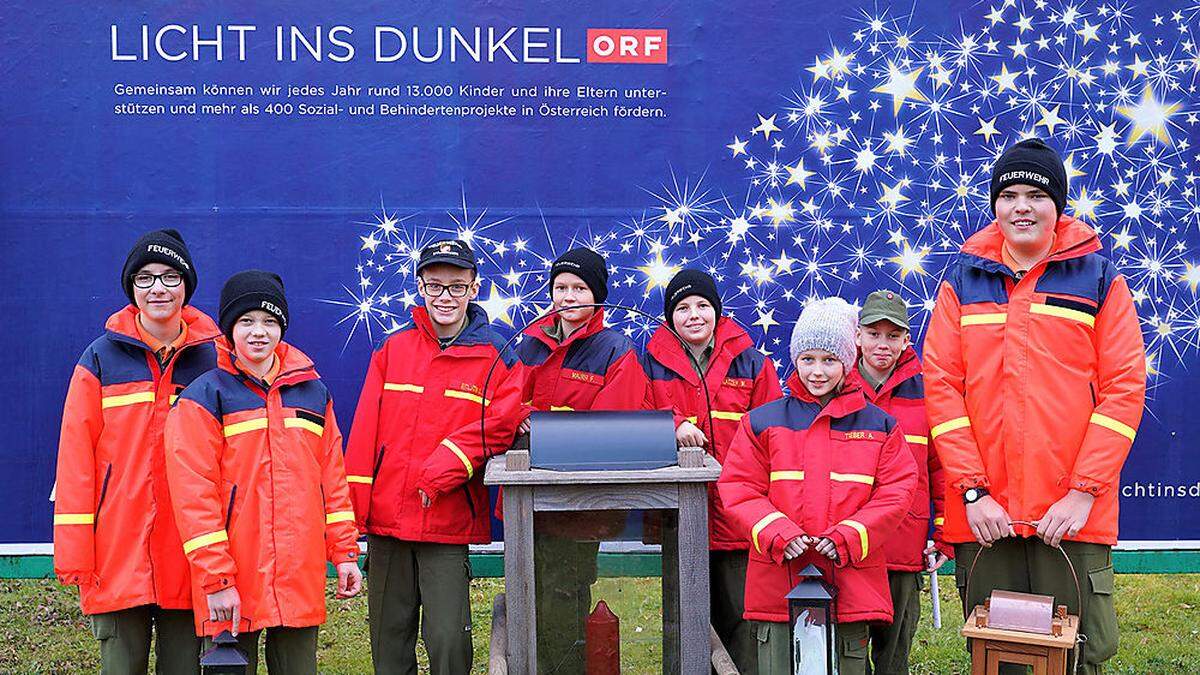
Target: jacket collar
<point>294,365</point>
<point>665,346</point>
<point>122,326</point>
<point>849,400</point>
<point>593,326</point>
<point>907,367</point>
<point>477,331</point>
<point>1073,239</point>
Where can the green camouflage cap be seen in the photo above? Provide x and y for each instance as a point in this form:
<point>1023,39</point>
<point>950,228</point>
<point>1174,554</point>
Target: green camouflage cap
<point>882,305</point>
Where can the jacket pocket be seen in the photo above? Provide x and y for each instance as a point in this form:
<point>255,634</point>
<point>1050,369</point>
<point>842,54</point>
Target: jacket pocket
<point>229,507</point>
<point>103,494</point>
<point>378,461</point>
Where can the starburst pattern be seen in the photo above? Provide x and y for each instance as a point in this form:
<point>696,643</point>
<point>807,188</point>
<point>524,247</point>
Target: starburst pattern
<point>872,171</point>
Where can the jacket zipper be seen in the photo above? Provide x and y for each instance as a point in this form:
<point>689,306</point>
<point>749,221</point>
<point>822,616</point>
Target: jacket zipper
<point>103,494</point>
<point>1092,391</point>
<point>229,509</point>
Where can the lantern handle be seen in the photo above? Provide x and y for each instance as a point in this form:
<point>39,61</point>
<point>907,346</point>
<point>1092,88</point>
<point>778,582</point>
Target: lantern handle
<point>1080,638</point>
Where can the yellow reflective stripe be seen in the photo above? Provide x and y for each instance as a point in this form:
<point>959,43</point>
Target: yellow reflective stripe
<point>127,399</point>
<point>365,480</point>
<point>173,398</point>
<point>923,440</point>
<point>938,522</point>
<point>1065,313</point>
<point>467,396</point>
<point>301,423</point>
<point>205,540</point>
<point>722,415</point>
<point>950,425</point>
<point>338,517</point>
<point>393,386</point>
<point>787,475</point>
<point>461,455</point>
<point>981,319</point>
<point>556,408</point>
<point>243,427</point>
<point>852,478</point>
<point>74,518</point>
<point>862,534</point>
<point>1115,425</point>
<point>758,527</point>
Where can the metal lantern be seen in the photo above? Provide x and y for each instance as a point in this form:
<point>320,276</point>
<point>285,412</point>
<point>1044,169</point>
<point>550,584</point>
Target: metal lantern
<point>810,612</point>
<point>225,658</point>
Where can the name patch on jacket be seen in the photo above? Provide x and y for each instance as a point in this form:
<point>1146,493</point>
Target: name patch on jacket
<point>737,383</point>
<point>858,435</point>
<point>581,376</point>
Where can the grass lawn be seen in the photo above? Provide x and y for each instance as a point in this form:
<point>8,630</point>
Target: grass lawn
<point>42,631</point>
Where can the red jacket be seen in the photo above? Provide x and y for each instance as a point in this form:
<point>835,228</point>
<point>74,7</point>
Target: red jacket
<point>903,397</point>
<point>739,378</point>
<point>841,471</point>
<point>595,368</point>
<point>1036,385</point>
<point>114,532</point>
<point>415,396</point>
<point>259,490</point>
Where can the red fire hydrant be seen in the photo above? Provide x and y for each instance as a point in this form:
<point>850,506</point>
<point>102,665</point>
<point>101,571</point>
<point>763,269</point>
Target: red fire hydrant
<point>603,641</point>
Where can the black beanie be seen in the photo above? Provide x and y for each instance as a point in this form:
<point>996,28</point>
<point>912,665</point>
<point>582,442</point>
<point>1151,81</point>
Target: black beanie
<point>160,246</point>
<point>1031,162</point>
<point>587,265</point>
<point>689,282</point>
<point>248,291</point>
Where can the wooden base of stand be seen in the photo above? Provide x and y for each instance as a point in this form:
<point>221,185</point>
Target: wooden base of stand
<point>1046,654</point>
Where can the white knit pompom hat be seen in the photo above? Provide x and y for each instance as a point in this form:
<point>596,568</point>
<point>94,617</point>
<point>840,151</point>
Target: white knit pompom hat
<point>828,324</point>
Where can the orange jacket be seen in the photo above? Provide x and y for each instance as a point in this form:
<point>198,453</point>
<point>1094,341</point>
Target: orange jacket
<point>1034,386</point>
<point>259,490</point>
<point>114,532</point>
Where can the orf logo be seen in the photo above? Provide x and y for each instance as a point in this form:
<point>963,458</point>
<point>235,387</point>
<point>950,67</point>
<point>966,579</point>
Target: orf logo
<point>627,45</point>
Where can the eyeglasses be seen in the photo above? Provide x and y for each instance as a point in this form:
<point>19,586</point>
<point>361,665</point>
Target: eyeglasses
<point>434,290</point>
<point>168,279</point>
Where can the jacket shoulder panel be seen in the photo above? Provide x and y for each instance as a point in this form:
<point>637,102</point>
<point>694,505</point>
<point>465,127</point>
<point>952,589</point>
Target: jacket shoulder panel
<point>194,362</point>
<point>532,352</point>
<point>596,353</point>
<point>788,413</point>
<point>870,418</point>
<point>913,388</point>
<point>117,363</point>
<point>747,365</point>
<point>311,395</point>
<point>974,284</point>
<point>1087,277</point>
<point>656,371</point>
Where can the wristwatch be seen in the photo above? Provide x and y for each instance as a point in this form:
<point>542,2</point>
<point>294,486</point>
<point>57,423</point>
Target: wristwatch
<point>974,494</point>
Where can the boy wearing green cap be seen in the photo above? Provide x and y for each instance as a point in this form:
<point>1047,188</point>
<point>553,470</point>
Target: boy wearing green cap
<point>890,373</point>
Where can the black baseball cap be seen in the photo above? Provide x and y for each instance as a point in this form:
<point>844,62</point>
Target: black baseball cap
<point>454,252</point>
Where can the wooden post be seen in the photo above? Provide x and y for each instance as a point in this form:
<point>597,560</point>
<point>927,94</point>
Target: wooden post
<point>694,614</point>
<point>521,614</point>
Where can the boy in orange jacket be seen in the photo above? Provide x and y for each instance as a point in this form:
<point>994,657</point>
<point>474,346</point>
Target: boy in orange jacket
<point>822,477</point>
<point>114,533</point>
<point>254,461</point>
